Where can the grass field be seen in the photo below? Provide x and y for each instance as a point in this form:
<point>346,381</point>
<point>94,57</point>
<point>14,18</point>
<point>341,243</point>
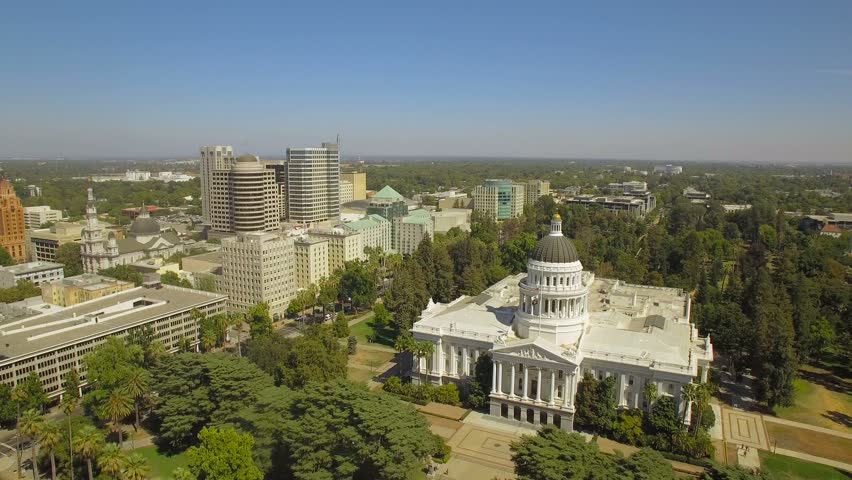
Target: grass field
<point>358,375</point>
<point>811,442</point>
<point>365,329</point>
<point>781,467</point>
<point>822,400</point>
<point>162,465</point>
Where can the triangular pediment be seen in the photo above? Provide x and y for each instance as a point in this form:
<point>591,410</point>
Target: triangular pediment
<point>536,349</point>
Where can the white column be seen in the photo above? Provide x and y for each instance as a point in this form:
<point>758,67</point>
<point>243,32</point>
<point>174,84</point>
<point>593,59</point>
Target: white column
<point>526,382</point>
<point>454,360</point>
<point>552,398</point>
<point>704,374</point>
<point>465,361</point>
<point>500,376</point>
<point>512,382</point>
<point>538,387</point>
<point>566,390</point>
<point>494,377</point>
<point>439,352</point>
<point>622,384</point>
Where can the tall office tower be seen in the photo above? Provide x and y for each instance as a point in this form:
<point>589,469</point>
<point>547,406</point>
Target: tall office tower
<point>280,170</point>
<point>499,199</point>
<point>359,184</point>
<point>313,183</point>
<point>258,267</point>
<point>536,189</point>
<point>12,230</point>
<point>213,157</point>
<point>311,260</point>
<point>245,197</point>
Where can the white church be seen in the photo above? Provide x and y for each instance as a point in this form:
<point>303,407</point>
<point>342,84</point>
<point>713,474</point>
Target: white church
<point>548,327</point>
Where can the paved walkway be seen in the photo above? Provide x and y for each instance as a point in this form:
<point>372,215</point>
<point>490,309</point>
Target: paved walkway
<point>805,426</point>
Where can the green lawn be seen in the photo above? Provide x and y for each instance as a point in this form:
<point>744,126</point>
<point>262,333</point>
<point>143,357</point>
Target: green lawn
<point>162,466</point>
<point>366,329</point>
<point>781,467</point>
<point>359,375</point>
<point>817,405</point>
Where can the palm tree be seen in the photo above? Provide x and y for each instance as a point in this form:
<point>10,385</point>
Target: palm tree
<point>688,392</point>
<point>650,392</point>
<point>702,401</point>
<point>112,460</point>
<point>51,438</point>
<point>69,404</point>
<point>31,425</point>
<point>135,468</point>
<point>136,385</point>
<point>19,396</point>
<point>89,443</point>
<point>116,408</point>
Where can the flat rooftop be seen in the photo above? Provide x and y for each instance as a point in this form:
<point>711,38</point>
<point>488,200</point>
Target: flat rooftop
<point>626,322</point>
<point>32,334</point>
<point>31,267</point>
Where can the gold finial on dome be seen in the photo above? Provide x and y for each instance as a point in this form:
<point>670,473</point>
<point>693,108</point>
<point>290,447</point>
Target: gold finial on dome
<point>556,216</point>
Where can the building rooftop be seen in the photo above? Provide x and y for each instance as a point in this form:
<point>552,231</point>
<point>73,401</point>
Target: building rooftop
<point>369,221</point>
<point>25,336</point>
<point>30,267</point>
<point>88,281</point>
<point>627,323</point>
<point>387,193</point>
<point>419,216</point>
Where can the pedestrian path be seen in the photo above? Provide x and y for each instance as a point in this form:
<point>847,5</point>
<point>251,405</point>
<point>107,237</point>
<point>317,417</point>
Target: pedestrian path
<point>805,426</point>
<point>812,458</point>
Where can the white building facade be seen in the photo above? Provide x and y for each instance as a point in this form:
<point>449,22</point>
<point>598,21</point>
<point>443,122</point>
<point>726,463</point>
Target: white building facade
<point>35,217</point>
<point>258,267</point>
<point>549,327</point>
<point>213,157</point>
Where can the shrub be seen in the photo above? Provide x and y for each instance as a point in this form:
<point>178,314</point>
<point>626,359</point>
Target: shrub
<point>352,345</point>
<point>341,326</point>
<point>448,394</point>
<point>628,427</point>
<point>393,385</point>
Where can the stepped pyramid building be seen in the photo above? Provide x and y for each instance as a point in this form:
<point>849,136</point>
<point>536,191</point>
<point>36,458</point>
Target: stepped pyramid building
<point>547,328</point>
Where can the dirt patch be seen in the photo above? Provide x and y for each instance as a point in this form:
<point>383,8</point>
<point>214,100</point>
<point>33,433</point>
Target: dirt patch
<point>809,441</point>
<point>371,358</point>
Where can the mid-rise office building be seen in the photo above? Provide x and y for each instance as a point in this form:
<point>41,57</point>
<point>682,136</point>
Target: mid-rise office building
<point>343,246</point>
<point>411,229</point>
<point>313,183</point>
<point>500,199</point>
<point>535,189</point>
<point>633,206</point>
<point>376,231</point>
<point>33,191</point>
<point>449,218</point>
<point>50,344</point>
<point>346,191</point>
<point>258,267</point>
<point>668,169</point>
<point>45,242</point>
<point>311,254</point>
<point>359,184</point>
<point>35,272</point>
<point>213,157</point>
<point>81,288</point>
<point>35,217</point>
<point>12,227</point>
<point>245,197</point>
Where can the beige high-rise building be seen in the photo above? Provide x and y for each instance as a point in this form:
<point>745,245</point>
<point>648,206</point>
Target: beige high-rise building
<point>535,189</point>
<point>213,157</point>
<point>258,267</point>
<point>411,230</point>
<point>313,183</point>
<point>359,184</point>
<point>245,197</point>
<point>343,246</point>
<point>499,199</point>
<point>311,255</point>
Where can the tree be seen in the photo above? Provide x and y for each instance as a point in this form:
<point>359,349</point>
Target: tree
<point>343,430</point>
<point>111,460</point>
<point>445,287</point>
<point>646,464</point>
<point>71,385</point>
<point>68,254</point>
<point>328,292</point>
<point>69,404</point>
<point>31,424</point>
<point>223,453</point>
<point>193,389</point>
<point>406,297</point>
<point>517,251</point>
<point>51,440</point>
<point>22,290</point>
<point>122,272</point>
<point>381,315</point>
<point>88,443</point>
<point>5,259</point>
<point>172,278</point>
<point>115,408</point>
<point>135,468</point>
<point>136,386</point>
<point>32,393</point>
<point>357,285</point>
<point>260,323</point>
<point>596,404</point>
<point>352,345</point>
<point>341,326</point>
<point>181,473</point>
<point>8,414</point>
<point>556,455</point>
<point>663,424</point>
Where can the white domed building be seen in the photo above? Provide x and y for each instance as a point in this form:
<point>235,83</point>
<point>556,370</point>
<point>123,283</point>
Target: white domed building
<point>548,327</point>
<point>101,249</point>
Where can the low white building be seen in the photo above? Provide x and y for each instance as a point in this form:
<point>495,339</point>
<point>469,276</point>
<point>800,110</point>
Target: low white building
<point>35,272</point>
<point>35,217</point>
<point>547,328</point>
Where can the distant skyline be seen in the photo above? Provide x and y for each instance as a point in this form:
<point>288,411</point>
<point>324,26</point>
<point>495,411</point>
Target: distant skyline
<point>760,81</point>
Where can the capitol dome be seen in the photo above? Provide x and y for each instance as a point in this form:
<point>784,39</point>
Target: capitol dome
<point>556,247</point>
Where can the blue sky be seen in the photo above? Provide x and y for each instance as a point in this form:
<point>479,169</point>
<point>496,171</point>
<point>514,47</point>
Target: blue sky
<point>729,80</point>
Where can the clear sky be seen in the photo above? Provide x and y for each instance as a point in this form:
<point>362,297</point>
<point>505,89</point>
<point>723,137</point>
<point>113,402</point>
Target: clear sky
<point>722,80</point>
